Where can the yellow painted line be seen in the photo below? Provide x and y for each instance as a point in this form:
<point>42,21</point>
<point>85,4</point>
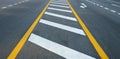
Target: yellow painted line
<point>20,44</point>
<point>97,47</point>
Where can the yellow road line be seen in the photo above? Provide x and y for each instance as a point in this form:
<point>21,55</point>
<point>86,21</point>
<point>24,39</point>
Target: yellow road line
<point>98,48</point>
<point>20,44</point>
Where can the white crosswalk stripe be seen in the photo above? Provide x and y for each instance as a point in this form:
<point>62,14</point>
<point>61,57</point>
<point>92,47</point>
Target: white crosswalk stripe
<point>61,16</point>
<point>57,48</point>
<point>64,27</point>
<point>59,3</point>
<point>59,6</point>
<point>57,9</point>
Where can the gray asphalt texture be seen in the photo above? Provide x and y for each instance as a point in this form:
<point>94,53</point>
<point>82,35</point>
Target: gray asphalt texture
<point>103,24</point>
<point>74,41</point>
<point>15,21</point>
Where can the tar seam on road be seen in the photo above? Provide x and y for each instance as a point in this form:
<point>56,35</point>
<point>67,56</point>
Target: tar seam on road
<point>20,44</point>
<point>98,48</point>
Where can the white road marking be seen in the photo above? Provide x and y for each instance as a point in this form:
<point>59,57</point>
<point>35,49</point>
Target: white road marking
<point>61,16</point>
<point>16,4</point>
<point>106,8</point>
<point>54,47</point>
<point>3,7</point>
<point>113,11</point>
<point>59,6</point>
<point>118,13</point>
<point>97,4</point>
<point>101,6</point>
<point>57,9</point>
<point>91,2</point>
<point>115,1</point>
<point>115,5</point>
<point>19,2</point>
<point>10,5</point>
<point>64,27</point>
<point>82,6</point>
<point>58,3</point>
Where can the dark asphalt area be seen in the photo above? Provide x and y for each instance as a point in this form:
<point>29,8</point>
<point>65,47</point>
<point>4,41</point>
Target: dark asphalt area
<point>15,21</point>
<point>104,26</point>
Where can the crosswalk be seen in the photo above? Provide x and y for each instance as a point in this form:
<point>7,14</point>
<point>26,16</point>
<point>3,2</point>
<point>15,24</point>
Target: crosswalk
<point>61,16</point>
<point>64,27</point>
<point>59,32</point>
<point>59,6</point>
<point>51,8</point>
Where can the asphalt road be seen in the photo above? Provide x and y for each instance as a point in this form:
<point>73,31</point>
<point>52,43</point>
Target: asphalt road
<point>15,21</point>
<point>58,34</point>
<point>103,24</point>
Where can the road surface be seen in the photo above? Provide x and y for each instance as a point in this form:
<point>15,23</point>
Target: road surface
<point>59,29</point>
